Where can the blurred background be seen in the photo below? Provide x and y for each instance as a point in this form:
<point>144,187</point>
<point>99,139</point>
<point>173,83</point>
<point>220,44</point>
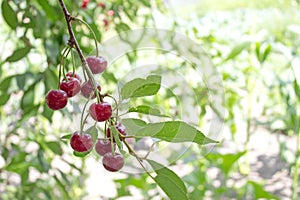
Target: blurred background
<point>254,46</point>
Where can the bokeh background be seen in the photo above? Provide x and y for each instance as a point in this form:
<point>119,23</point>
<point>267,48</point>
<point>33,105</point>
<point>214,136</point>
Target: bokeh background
<point>254,45</point>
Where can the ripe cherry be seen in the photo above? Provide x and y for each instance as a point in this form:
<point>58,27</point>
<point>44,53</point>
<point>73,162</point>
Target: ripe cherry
<point>75,75</point>
<point>104,146</point>
<point>108,134</point>
<point>121,128</point>
<point>81,142</point>
<point>71,87</point>
<point>96,64</point>
<point>101,111</point>
<point>56,99</point>
<point>112,162</point>
<point>88,90</point>
<point>84,3</point>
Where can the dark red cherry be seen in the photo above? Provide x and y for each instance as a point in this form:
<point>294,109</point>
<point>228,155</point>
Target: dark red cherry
<point>70,86</point>
<point>96,64</point>
<point>101,111</point>
<point>113,162</point>
<point>88,90</point>
<point>56,99</point>
<point>75,75</point>
<point>81,142</point>
<point>104,146</point>
<point>121,128</point>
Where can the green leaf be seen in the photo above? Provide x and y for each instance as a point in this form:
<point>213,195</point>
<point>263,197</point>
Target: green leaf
<point>96,31</point>
<point>21,81</point>
<point>173,131</point>
<point>115,134</point>
<point>121,27</point>
<point>28,98</point>
<point>18,54</point>
<point>47,113</point>
<point>5,84</point>
<point>4,99</point>
<point>81,154</point>
<point>147,110</point>
<point>297,89</point>
<point>169,182</point>
<point>68,136</point>
<point>93,132</point>
<point>237,50</point>
<point>9,14</point>
<point>62,188</point>
<point>225,161</point>
<point>55,147</point>
<point>132,125</point>
<point>50,79</point>
<point>49,10</point>
<point>260,192</point>
<point>141,87</point>
<point>266,53</point>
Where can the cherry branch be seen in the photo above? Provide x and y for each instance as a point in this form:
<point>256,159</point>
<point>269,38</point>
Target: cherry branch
<point>72,39</point>
<point>73,43</point>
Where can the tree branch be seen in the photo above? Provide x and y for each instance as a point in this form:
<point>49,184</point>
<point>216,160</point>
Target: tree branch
<point>73,43</point>
<point>72,39</point>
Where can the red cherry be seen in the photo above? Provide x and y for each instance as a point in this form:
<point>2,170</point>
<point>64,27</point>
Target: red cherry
<point>71,87</point>
<point>112,162</point>
<point>108,134</point>
<point>101,111</point>
<point>81,142</point>
<point>103,146</point>
<point>96,64</point>
<point>121,128</point>
<point>56,99</point>
<point>87,89</point>
<point>75,75</point>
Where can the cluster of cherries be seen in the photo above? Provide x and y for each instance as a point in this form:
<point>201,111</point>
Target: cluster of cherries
<point>100,111</point>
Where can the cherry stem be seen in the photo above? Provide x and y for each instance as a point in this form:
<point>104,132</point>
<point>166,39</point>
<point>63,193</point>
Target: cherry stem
<point>140,160</point>
<point>81,119</point>
<point>73,63</point>
<point>73,43</point>
<point>93,33</point>
<point>66,49</point>
<point>116,102</point>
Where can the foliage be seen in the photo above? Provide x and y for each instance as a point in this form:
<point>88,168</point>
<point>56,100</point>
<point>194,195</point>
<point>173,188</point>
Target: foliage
<point>251,55</point>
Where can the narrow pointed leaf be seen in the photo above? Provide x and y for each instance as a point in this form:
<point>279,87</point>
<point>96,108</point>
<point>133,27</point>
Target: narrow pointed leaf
<point>169,182</point>
<point>173,131</point>
<point>141,87</point>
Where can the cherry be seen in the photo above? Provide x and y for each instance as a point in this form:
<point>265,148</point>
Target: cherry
<point>121,128</point>
<point>101,111</point>
<point>75,75</point>
<point>108,134</point>
<point>81,142</point>
<point>112,162</point>
<point>84,3</point>
<point>96,64</point>
<point>70,86</point>
<point>103,146</point>
<point>87,89</point>
<point>56,99</point>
